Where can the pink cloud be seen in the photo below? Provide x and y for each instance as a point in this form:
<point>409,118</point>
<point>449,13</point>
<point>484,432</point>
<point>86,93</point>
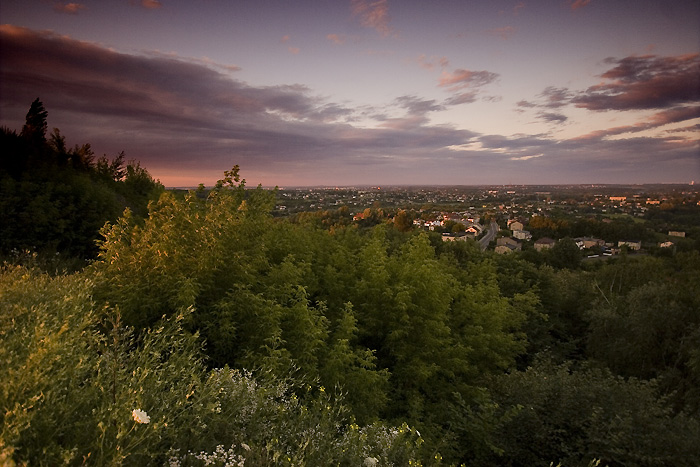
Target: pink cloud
<point>336,39</point>
<point>285,39</point>
<point>68,8</point>
<point>576,4</point>
<point>151,4</point>
<point>373,14</point>
<point>462,78</point>
<point>294,50</point>
<point>518,7</point>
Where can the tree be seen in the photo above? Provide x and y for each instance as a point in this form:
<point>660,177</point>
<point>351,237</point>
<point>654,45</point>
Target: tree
<point>111,170</point>
<point>561,415</point>
<point>403,221</point>
<point>649,327</point>
<point>565,254</point>
<point>35,126</point>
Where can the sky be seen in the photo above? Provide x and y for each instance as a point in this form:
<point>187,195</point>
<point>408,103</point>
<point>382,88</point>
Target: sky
<point>366,92</point>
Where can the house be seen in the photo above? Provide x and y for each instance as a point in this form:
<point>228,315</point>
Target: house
<point>508,248</point>
<point>544,243</point>
<point>618,199</point>
<point>522,234</point>
<point>589,242</point>
<point>632,245</point>
<point>475,229</point>
<point>667,244</point>
<point>515,225</point>
<point>509,242</point>
<point>674,233</point>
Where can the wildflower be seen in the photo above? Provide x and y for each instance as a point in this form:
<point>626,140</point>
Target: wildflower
<point>245,446</point>
<point>140,416</point>
<point>370,461</point>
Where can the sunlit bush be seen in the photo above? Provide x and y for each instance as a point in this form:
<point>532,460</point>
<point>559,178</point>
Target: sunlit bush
<point>81,388</point>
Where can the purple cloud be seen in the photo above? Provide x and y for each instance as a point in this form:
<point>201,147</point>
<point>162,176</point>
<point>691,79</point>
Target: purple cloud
<point>192,117</point>
<point>555,97</point>
<point>461,78</point>
<point>163,110</point>
<point>552,117</point>
<point>665,117</point>
<point>461,98</point>
<point>646,82</point>
<point>417,106</point>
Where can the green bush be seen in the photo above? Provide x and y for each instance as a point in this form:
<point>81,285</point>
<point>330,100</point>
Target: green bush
<point>81,388</point>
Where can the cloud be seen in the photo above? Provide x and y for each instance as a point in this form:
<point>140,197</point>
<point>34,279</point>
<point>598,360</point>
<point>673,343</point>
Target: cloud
<point>169,112</point>
<point>462,78</point>
<point>285,39</point>
<point>68,8</point>
<point>518,7</point>
<point>337,39</point>
<point>504,32</point>
<point>461,98</point>
<point>525,104</point>
<point>552,117</point>
<point>555,97</point>
<point>223,66</point>
<point>373,14</point>
<point>646,82</point>
<point>526,158</point>
<point>179,116</point>
<point>294,50</point>
<point>576,4</point>
<point>418,106</point>
<point>675,115</point>
<point>151,4</point>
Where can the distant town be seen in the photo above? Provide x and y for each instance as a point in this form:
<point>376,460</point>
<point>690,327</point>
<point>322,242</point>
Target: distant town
<point>602,220</point>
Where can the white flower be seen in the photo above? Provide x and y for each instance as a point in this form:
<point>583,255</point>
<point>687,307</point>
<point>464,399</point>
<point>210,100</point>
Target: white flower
<point>140,416</point>
<point>245,446</point>
<point>370,461</point>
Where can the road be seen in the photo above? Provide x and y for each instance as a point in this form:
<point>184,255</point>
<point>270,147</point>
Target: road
<point>490,235</point>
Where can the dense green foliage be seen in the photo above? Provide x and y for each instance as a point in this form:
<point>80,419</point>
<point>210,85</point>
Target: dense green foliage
<point>316,340</point>
<point>55,199</point>
<point>74,375</point>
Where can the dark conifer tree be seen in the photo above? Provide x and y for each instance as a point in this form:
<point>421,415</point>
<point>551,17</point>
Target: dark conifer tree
<point>35,126</point>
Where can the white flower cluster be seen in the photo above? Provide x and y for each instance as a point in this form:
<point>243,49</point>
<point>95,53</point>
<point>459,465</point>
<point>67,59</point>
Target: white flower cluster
<point>228,457</point>
<point>220,456</point>
<point>140,416</point>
